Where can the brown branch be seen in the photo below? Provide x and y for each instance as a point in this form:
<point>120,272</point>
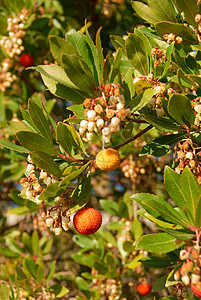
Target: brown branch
<point>134,137</point>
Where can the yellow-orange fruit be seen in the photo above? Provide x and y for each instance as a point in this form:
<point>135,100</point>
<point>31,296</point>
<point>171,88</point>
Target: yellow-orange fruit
<point>108,159</point>
<point>87,221</point>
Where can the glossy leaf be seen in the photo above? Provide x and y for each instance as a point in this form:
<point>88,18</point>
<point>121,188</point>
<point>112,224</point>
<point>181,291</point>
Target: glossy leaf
<point>160,146</point>
<point>35,142</point>
<point>143,99</point>
<point>168,61</point>
<point>82,193</point>
<point>64,137</point>
<point>157,261</point>
<point>116,65</point>
<point>79,73</point>
<point>190,10</point>
<point>9,145</point>
<point>39,120</point>
<point>59,290</point>
<point>45,161</point>
<point>191,190</point>
<point>137,54</point>
<point>59,46</point>
<point>157,243</point>
<point>30,266</point>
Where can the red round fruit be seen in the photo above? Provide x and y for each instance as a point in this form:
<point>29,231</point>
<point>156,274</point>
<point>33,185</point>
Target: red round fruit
<point>87,220</point>
<point>26,60</point>
<point>144,288</point>
<point>195,291</point>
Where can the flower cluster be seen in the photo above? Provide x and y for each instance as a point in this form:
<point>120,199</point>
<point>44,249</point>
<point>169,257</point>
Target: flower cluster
<point>58,216</point>
<point>14,42</point>
<point>198,20</point>
<point>104,114</point>
<point>187,155</point>
<point>6,77</point>
<point>172,38</point>
<point>110,288</point>
<point>190,273</point>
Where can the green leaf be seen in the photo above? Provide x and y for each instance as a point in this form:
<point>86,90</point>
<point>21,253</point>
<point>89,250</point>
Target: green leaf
<point>190,10</point>
<point>85,260</point>
<point>173,185</point>
<point>45,161</point>
<point>35,243</point>
<point>64,137</point>
<point>168,61</point>
<point>82,193</point>
<point>71,177</point>
<point>83,285</point>
<point>157,243</point>
<point>180,109</point>
<point>123,210</point>
<point>9,145</point>
<point>8,253</point>
<point>39,120</point>
<point>187,34</point>
<point>135,263</point>
<point>78,110</point>
<point>20,274</point>
<point>52,191</point>
<point>109,206</point>
<point>128,128</point>
<point>153,204</point>
<point>128,87</point>
<point>191,191</point>
<point>157,262</point>
<point>40,274</point>
<point>145,12</point>
<point>34,142</point>
<point>59,290</point>
<point>144,99</point>
<point>79,73</point>
<point>22,210</point>
<point>197,216</point>
<point>52,270</point>
<point>137,54</point>
<point>137,228</point>
<point>4,291</point>
<point>159,284</point>
<point>30,266</point>
<point>116,65</point>
<point>15,127</point>
<point>27,242</point>
<point>83,241</point>
<point>59,46</point>
<point>160,146</point>
<point>59,84</point>
<point>162,124</point>
<point>99,48</point>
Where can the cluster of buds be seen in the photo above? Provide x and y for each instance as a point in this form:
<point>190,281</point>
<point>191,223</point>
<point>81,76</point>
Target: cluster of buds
<point>125,234</point>
<point>6,78</point>
<point>158,55</point>
<point>142,170</point>
<point>33,184</point>
<point>198,20</point>
<point>186,155</point>
<point>196,104</point>
<point>13,43</point>
<point>58,216</point>
<point>172,38</point>
<point>108,288</point>
<point>190,272</point>
<point>104,114</point>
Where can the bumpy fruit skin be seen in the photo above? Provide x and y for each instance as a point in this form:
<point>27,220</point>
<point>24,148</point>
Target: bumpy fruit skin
<point>26,60</point>
<point>108,159</point>
<point>87,221</point>
<point>144,288</point>
<point>195,290</point>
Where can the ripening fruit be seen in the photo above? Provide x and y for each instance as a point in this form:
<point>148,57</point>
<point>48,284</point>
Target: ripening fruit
<point>26,60</point>
<point>87,220</point>
<point>196,289</point>
<point>108,159</point>
<point>144,288</point>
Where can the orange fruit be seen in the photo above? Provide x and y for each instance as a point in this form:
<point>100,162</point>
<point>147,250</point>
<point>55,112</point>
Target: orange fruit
<point>144,288</point>
<point>87,220</point>
<point>108,159</point>
<point>26,60</point>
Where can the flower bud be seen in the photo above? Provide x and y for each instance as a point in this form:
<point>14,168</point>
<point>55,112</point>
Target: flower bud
<point>198,108</point>
<point>30,168</point>
<point>47,180</point>
<point>115,121</point>
<point>185,279</point>
<point>189,155</point>
<point>43,175</point>
<point>29,194</point>
<point>195,278</point>
<point>91,126</point>
<point>83,124</point>
<point>183,254</point>
<point>49,222</point>
<point>100,123</point>
<point>89,136</point>
<point>119,106</point>
<point>58,231</point>
<point>106,131</point>
<point>91,115</point>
